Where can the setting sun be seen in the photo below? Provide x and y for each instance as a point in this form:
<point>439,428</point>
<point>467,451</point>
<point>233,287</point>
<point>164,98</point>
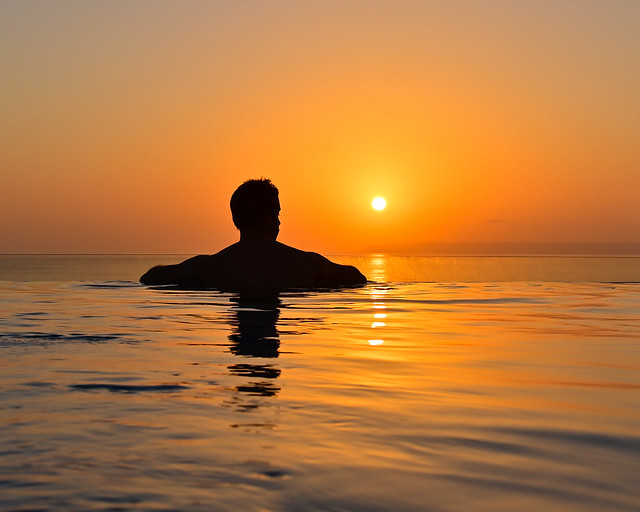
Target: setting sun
<point>379,203</point>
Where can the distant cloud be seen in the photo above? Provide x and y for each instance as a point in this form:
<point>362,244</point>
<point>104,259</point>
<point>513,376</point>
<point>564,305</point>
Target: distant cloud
<point>495,221</point>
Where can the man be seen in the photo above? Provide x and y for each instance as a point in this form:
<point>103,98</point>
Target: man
<point>257,261</point>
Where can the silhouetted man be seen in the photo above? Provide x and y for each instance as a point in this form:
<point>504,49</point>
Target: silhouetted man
<point>257,261</point>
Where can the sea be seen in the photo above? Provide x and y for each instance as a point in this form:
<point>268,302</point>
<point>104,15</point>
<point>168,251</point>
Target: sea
<point>444,384</point>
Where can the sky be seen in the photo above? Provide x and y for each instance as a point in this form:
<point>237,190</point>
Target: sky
<point>127,125</point>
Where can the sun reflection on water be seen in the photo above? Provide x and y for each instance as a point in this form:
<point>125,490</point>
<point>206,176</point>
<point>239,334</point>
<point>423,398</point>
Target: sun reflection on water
<point>378,268</point>
<point>378,293</point>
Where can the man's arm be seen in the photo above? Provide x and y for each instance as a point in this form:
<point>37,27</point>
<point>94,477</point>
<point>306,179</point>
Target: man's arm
<point>189,271</point>
<point>328,273</point>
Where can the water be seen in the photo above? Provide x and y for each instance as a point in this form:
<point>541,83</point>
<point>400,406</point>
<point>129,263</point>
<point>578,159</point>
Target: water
<point>462,394</point>
<point>378,268</point>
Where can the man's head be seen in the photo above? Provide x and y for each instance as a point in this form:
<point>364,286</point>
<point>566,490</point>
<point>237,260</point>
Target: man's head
<point>255,207</point>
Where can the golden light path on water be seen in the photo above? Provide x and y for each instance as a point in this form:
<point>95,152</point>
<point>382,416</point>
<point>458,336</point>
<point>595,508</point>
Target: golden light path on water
<point>378,264</point>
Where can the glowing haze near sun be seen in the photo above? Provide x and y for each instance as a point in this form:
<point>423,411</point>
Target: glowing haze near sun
<point>379,203</point>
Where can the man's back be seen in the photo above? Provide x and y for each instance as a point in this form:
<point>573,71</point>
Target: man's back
<point>260,265</point>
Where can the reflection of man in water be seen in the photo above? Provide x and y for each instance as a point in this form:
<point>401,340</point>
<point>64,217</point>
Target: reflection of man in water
<point>255,335</point>
<point>254,321</point>
<point>257,261</point>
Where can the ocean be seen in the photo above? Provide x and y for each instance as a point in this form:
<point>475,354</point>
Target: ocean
<point>444,384</point>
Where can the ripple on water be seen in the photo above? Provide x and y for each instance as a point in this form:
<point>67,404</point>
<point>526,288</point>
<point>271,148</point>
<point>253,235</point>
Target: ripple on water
<point>130,388</point>
<point>39,339</point>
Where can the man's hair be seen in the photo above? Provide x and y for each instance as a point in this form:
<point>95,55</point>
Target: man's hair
<point>253,201</point>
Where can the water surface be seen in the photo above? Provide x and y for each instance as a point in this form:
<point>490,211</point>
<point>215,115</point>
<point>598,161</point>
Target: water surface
<point>491,396</point>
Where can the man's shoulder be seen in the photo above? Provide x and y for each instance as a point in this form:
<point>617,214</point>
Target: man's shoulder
<point>199,261</point>
<point>308,258</point>
<point>284,247</point>
<point>229,251</point>
<point>287,249</point>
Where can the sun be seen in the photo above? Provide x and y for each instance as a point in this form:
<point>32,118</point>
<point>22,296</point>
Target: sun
<point>379,203</point>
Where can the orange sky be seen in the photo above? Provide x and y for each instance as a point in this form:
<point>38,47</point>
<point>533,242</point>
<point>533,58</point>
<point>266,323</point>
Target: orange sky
<point>127,125</point>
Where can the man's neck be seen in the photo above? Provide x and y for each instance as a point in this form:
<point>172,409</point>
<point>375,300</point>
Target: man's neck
<point>256,238</point>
